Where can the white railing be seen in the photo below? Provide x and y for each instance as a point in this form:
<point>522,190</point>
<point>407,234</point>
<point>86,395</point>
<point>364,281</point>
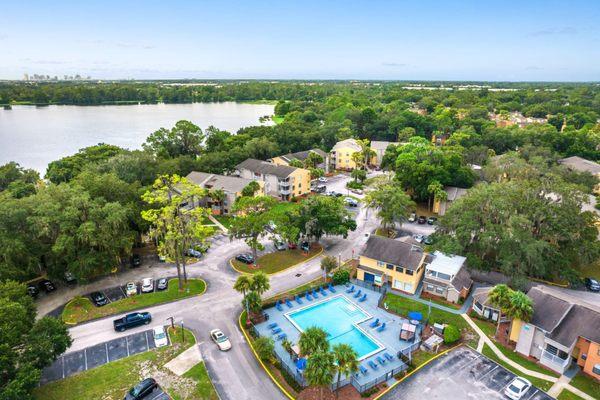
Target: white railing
<point>554,361</point>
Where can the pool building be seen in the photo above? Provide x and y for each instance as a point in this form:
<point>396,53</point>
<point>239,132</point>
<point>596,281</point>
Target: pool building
<point>348,314</point>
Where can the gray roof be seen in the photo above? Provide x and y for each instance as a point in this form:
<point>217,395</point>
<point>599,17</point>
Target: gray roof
<point>548,310</point>
<point>303,155</point>
<point>481,295</point>
<point>231,184</point>
<point>454,192</point>
<point>393,252</point>
<point>266,168</point>
<point>581,164</point>
<point>462,280</point>
<point>579,321</point>
<point>380,145</point>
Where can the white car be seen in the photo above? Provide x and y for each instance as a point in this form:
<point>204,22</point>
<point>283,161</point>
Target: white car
<point>130,289</point>
<point>147,285</point>
<point>517,388</point>
<point>322,179</point>
<point>160,336</point>
<point>419,238</point>
<point>220,339</point>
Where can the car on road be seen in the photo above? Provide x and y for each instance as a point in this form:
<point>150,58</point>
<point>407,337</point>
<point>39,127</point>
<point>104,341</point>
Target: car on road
<point>357,191</point>
<point>160,336</point>
<point>132,320</point>
<point>350,202</point>
<point>280,245</point>
<point>147,285</point>
<point>431,220</point>
<point>46,285</point>
<point>130,289</point>
<point>517,388</point>
<point>322,179</point>
<point>220,339</point>
<point>422,219</point>
<point>69,278</point>
<point>141,390</point>
<point>413,217</point>
<point>32,291</point>
<point>592,284</point>
<point>193,253</point>
<point>99,299</point>
<point>427,240</point>
<point>246,258</point>
<point>162,284</point>
<point>419,238</point>
<point>136,260</point>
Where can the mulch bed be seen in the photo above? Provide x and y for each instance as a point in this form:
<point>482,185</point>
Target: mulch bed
<point>347,392</point>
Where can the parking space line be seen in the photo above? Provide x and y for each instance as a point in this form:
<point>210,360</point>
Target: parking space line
<point>489,372</point>
<point>107,297</point>
<point>533,394</point>
<point>106,347</point>
<point>85,358</point>
<point>62,364</point>
<point>127,344</point>
<point>147,344</point>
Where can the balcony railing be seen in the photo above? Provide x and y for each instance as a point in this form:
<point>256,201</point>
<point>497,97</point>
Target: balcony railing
<point>554,361</point>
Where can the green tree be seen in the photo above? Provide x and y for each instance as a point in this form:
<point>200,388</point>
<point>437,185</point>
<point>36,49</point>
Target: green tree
<point>323,215</point>
<point>313,340</point>
<point>393,205</point>
<point>519,306</point>
<point>175,228</point>
<point>359,175</point>
<point>500,296</point>
<point>252,302</point>
<point>264,346</point>
<point>184,139</point>
<point>243,284</point>
<point>296,163</point>
<point>218,196</point>
<point>319,370</point>
<point>313,160</point>
<point>451,334</point>
<point>345,362</point>
<point>250,189</point>
<point>253,214</point>
<point>328,264</point>
<point>260,283</point>
<point>69,167</point>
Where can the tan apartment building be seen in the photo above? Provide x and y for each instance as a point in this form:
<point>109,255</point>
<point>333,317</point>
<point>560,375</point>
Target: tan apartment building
<point>280,181</point>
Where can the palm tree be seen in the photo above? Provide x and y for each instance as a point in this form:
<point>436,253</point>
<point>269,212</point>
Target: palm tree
<point>242,284</point>
<point>320,370</point>
<point>520,306</point>
<point>346,362</point>
<point>500,297</point>
<point>313,340</point>
<point>253,302</point>
<point>218,195</point>
<point>287,346</point>
<point>260,283</point>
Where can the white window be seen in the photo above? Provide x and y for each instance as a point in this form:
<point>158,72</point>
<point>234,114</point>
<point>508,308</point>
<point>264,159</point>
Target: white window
<point>408,287</point>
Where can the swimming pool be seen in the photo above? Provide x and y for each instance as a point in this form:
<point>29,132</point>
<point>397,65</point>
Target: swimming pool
<point>339,317</point>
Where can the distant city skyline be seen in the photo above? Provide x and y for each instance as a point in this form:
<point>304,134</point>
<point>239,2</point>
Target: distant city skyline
<point>363,40</point>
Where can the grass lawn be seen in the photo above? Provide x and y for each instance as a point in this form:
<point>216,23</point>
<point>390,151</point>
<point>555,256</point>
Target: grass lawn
<point>283,208</point>
<point>421,357</point>
<point>111,381</point>
<point>489,328</point>
<point>276,261</point>
<point>519,359</point>
<point>540,383</point>
<point>441,302</point>
<point>567,395</point>
<point>81,309</point>
<point>224,219</point>
<point>587,385</point>
<point>277,119</point>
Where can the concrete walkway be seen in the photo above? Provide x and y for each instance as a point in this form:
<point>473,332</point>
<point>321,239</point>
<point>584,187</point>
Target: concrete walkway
<point>185,361</point>
<point>217,223</point>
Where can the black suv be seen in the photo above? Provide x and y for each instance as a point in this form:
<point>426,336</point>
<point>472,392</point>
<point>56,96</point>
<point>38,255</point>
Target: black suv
<point>592,284</point>
<point>99,299</point>
<point>32,291</point>
<point>142,389</point>
<point>136,260</point>
<point>245,258</point>
<point>46,286</point>
<point>132,320</point>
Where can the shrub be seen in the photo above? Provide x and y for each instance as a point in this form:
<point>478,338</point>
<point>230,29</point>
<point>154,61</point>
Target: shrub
<point>451,334</point>
<point>341,276</point>
<point>354,185</point>
<point>264,346</point>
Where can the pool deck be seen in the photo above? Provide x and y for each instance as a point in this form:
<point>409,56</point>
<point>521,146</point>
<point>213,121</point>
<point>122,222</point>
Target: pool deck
<point>388,338</point>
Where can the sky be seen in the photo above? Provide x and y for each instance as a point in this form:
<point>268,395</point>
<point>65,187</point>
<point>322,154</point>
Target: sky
<point>481,40</point>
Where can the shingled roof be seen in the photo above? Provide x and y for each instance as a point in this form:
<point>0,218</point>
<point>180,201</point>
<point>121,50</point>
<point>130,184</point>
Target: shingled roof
<point>581,164</point>
<point>231,184</point>
<point>393,252</point>
<point>266,168</point>
<point>303,155</point>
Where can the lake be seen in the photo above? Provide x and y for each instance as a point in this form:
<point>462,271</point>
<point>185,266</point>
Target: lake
<point>34,136</point>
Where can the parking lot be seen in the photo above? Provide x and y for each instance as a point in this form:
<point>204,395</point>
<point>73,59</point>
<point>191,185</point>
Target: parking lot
<point>462,374</point>
<point>102,353</point>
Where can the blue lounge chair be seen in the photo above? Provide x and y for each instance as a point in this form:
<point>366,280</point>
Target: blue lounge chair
<point>380,360</point>
<point>363,298</point>
<point>288,303</point>
<point>273,325</point>
<point>357,294</point>
<point>388,356</point>
<point>275,331</point>
<point>314,293</point>
<point>374,323</point>
<point>381,328</point>
<point>363,369</point>
<point>278,306</point>
<point>282,336</point>
<point>298,299</point>
<point>308,296</point>
<point>323,292</point>
<point>331,288</point>
<point>372,365</point>
<point>350,290</point>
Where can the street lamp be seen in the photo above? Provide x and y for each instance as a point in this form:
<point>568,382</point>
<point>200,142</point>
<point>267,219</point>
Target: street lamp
<point>340,259</point>
<point>182,333</point>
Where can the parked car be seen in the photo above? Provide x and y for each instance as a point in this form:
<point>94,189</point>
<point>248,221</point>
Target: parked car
<point>32,291</point>
<point>418,237</point>
<point>322,179</point>
<point>147,285</point>
<point>46,286</point>
<point>136,260</point>
<point>279,245</point>
<point>517,388</point>
<point>431,220</point>
<point>305,246</point>
<point>292,245</point>
<point>220,339</point>
<point>132,320</point>
<point>130,289</point>
<point>142,389</point>
<point>99,299</point>
<point>69,278</point>
<point>592,284</point>
<point>271,227</point>
<point>160,336</point>
<point>321,189</point>
<point>350,202</point>
<point>162,284</point>
<point>422,219</point>
<point>357,191</point>
<point>427,240</point>
<point>246,258</point>
<point>413,217</point>
<point>193,253</point>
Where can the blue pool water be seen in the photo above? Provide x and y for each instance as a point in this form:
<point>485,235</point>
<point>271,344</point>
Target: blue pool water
<point>337,317</point>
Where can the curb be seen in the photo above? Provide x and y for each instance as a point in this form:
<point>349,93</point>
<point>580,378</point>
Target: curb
<point>278,272</point>
<point>415,370</point>
<point>72,324</point>
<point>285,392</point>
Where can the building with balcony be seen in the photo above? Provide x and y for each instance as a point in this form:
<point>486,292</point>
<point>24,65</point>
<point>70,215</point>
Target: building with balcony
<point>340,156</point>
<point>563,330</point>
<point>302,156</point>
<point>280,181</point>
<point>447,277</point>
<point>391,262</point>
<point>379,148</point>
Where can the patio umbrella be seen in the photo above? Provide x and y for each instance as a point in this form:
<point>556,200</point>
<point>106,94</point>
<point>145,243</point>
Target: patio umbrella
<point>417,316</point>
<point>301,364</point>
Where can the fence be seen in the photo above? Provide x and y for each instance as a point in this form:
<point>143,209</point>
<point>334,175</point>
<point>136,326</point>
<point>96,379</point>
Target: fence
<point>383,378</point>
